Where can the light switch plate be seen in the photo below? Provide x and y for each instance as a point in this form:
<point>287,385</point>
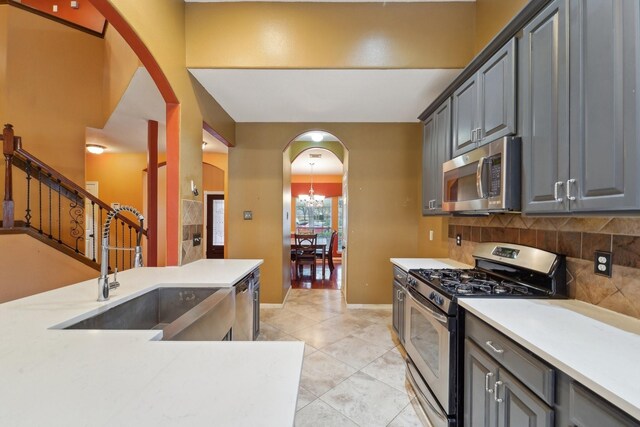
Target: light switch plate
<point>248,215</point>
<point>602,265</point>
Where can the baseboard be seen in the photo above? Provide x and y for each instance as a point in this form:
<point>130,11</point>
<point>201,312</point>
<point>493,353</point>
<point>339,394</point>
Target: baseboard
<point>270,305</point>
<point>370,306</point>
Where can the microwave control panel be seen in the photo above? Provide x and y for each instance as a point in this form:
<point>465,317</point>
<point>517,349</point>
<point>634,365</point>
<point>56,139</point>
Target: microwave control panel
<point>495,171</point>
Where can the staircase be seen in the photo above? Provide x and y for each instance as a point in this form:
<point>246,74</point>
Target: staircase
<point>58,211</point>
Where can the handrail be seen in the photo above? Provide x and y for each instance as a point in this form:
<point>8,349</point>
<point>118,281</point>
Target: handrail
<point>68,184</point>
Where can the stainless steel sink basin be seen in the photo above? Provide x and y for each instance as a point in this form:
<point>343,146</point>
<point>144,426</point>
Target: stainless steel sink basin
<point>183,314</point>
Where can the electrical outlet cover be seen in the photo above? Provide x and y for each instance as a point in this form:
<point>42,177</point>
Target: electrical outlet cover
<point>458,239</point>
<point>602,264</point>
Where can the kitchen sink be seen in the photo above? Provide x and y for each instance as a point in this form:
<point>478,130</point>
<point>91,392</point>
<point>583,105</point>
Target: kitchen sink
<point>183,314</point>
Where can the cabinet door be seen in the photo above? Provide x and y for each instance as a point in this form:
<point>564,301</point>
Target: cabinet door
<point>441,150</point>
<point>518,406</point>
<point>480,374</point>
<point>589,410</point>
<point>465,105</point>
<point>428,185</point>
<point>396,308</point>
<point>497,95</point>
<point>605,104</point>
<point>543,107</point>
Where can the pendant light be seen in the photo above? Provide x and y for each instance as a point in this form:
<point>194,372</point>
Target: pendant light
<point>312,200</point>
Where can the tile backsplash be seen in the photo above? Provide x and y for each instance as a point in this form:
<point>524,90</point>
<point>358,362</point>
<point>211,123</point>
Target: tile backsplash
<point>577,238</point>
<point>192,223</point>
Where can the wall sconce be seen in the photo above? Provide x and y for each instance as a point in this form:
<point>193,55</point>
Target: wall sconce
<point>194,189</point>
<point>96,149</point>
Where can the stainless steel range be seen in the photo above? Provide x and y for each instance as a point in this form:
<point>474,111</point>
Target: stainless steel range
<point>433,330</point>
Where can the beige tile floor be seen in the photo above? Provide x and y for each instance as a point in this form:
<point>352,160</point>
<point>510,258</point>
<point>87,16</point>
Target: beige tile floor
<point>353,372</point>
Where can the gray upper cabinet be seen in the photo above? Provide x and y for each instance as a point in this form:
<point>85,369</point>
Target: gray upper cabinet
<point>484,106</point>
<point>465,122</point>
<point>604,105</point>
<point>428,175</point>
<point>497,99</point>
<point>580,108</point>
<point>543,110</point>
<point>436,150</point>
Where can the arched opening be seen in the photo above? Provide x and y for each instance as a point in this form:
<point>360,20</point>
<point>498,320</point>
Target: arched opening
<point>315,169</point>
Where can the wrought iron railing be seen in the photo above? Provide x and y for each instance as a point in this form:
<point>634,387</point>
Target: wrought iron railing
<point>58,209</point>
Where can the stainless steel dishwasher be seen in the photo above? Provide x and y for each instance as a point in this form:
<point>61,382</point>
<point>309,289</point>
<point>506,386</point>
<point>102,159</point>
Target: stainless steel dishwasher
<point>243,326</point>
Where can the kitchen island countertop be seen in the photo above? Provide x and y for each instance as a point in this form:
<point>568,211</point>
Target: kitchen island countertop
<point>101,378</point>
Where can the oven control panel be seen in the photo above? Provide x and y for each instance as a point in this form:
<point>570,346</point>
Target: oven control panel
<point>510,253</point>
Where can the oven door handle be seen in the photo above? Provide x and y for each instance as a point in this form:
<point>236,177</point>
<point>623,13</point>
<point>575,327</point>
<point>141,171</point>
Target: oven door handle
<point>441,318</point>
<point>479,180</point>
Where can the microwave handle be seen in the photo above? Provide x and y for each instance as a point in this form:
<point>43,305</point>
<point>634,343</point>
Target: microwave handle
<point>479,180</point>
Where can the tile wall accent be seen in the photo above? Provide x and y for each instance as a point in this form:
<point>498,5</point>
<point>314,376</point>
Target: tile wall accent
<point>192,223</point>
<point>576,237</point>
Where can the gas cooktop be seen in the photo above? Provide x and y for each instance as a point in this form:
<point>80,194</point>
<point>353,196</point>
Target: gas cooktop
<point>458,282</point>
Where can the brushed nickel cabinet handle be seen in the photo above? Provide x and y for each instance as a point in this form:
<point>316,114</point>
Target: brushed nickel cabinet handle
<point>569,182</point>
<point>556,191</point>
<point>486,382</point>
<point>494,348</point>
<point>495,396</point>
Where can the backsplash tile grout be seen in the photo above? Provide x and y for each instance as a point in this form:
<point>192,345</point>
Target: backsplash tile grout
<point>577,238</point>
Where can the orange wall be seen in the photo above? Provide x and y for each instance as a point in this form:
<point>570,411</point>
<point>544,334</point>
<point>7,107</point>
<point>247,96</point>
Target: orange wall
<point>29,267</point>
<point>53,88</point>
<point>120,64</point>
<point>119,176</point>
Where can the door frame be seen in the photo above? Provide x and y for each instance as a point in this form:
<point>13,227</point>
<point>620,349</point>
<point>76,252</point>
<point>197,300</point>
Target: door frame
<point>206,219</point>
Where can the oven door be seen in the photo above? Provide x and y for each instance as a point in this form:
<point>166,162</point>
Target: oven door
<point>428,341</point>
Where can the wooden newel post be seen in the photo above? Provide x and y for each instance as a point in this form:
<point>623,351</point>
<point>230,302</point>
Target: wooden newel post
<point>8,148</point>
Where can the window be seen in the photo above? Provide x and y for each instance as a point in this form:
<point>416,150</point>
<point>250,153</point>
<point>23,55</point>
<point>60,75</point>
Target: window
<point>316,220</point>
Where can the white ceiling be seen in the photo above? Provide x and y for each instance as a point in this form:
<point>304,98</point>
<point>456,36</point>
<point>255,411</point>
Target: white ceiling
<point>126,129</point>
<point>327,164</point>
<point>325,95</point>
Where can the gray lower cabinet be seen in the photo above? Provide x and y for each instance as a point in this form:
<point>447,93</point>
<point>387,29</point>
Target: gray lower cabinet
<point>494,397</point>
<point>484,107</point>
<point>579,107</point>
<point>436,150</point>
<point>398,310</point>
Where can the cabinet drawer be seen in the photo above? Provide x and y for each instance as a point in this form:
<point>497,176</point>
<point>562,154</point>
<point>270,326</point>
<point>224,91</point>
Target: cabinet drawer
<point>589,410</point>
<point>400,275</point>
<point>531,371</point>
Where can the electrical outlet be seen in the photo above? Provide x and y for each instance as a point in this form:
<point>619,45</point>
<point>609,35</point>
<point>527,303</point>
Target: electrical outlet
<point>247,215</point>
<point>602,263</point>
<point>430,234</point>
<point>458,239</point>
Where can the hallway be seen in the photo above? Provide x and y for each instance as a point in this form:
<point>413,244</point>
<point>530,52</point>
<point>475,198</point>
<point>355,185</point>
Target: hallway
<point>353,372</point>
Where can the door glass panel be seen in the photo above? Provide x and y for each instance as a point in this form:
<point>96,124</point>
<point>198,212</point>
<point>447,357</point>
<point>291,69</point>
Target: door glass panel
<point>426,339</point>
<point>218,222</point>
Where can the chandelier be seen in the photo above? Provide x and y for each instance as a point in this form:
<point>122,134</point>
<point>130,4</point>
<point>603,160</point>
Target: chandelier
<point>311,200</point>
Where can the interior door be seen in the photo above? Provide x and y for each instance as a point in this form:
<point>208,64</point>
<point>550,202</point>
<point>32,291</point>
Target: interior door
<point>345,227</point>
<point>215,226</point>
<point>90,215</point>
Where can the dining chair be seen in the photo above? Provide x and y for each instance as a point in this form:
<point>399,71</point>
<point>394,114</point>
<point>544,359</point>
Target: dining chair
<point>306,253</point>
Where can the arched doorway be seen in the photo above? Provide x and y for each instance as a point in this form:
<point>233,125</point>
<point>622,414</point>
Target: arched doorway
<point>316,162</point>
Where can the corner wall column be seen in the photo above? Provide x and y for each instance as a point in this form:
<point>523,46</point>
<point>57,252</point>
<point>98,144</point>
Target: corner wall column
<point>152,193</point>
<point>8,148</point>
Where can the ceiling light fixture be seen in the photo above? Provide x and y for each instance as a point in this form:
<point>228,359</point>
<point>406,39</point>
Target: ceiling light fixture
<point>316,137</point>
<point>312,200</point>
<point>95,148</point>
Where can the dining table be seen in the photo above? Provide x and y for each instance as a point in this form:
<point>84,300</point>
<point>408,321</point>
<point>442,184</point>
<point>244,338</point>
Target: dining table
<point>321,245</point>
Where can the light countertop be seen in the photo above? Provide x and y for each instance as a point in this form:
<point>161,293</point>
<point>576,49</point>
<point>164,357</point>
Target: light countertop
<point>596,347</point>
<point>410,263</point>
<point>103,378</point>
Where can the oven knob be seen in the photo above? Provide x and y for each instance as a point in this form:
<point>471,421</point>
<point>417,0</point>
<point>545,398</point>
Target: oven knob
<point>439,300</point>
<point>432,296</point>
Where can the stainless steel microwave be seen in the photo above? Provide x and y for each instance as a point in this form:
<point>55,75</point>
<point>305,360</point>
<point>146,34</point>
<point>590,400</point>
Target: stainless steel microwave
<point>486,179</point>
